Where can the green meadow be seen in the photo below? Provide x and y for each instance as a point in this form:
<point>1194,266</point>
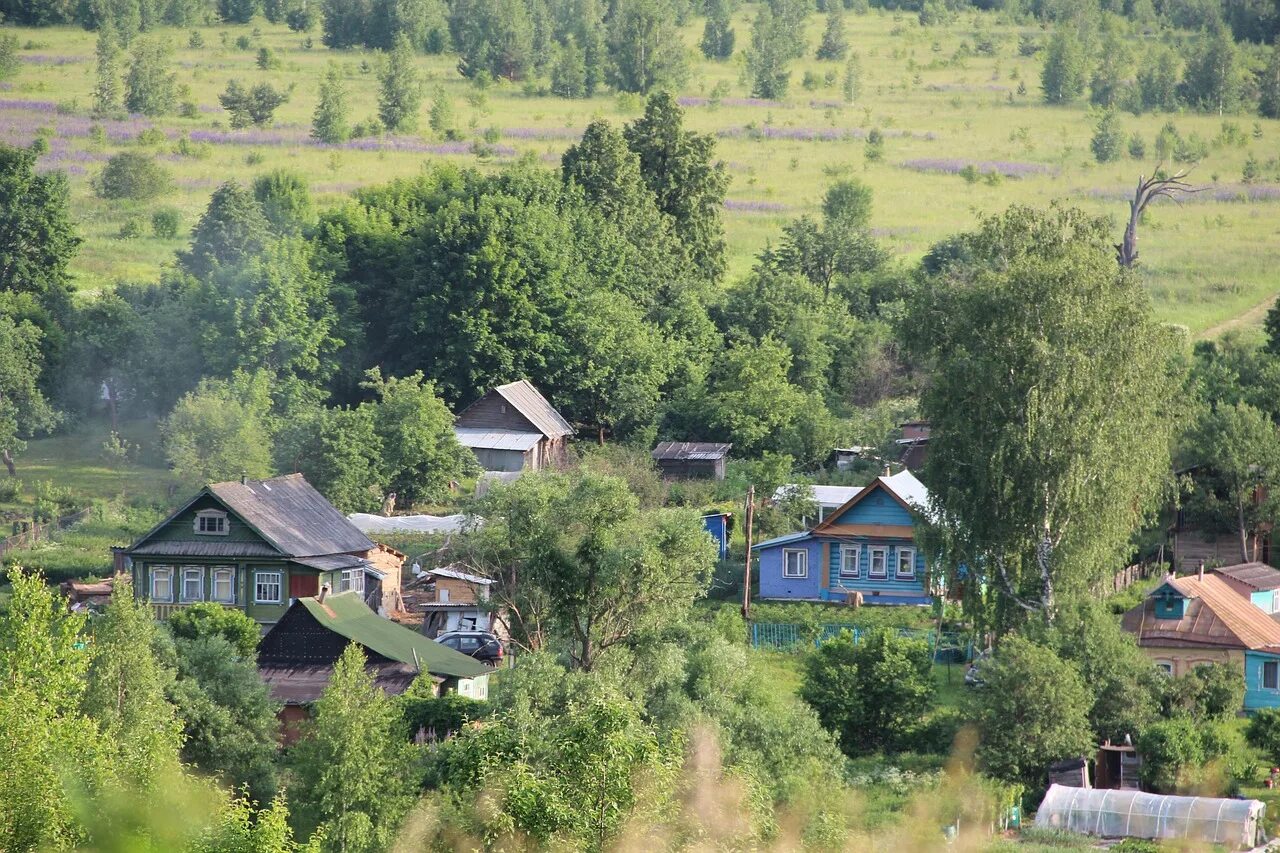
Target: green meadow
<point>1208,262</point>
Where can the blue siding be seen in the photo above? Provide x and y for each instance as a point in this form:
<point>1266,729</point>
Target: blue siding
<point>774,585</point>
<point>877,507</point>
<point>1257,697</point>
<point>717,525</point>
<point>869,587</point>
<point>1265,600</point>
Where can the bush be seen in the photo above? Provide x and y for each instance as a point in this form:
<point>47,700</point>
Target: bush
<point>1108,138</point>
<point>1212,691</point>
<point>133,175</point>
<point>207,619</point>
<point>165,222</point>
<point>443,714</point>
<point>1264,733</point>
<point>1169,749</point>
<point>130,229</point>
<point>1137,147</point>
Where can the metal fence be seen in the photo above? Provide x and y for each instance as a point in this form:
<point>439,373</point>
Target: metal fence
<point>784,636</point>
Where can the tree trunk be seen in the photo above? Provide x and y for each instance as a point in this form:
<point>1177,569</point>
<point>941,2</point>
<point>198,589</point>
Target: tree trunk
<point>111,407</point>
<point>8,462</point>
<point>1244,532</point>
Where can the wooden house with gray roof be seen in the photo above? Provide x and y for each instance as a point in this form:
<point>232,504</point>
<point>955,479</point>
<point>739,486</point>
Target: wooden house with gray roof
<point>258,545</point>
<point>513,428</point>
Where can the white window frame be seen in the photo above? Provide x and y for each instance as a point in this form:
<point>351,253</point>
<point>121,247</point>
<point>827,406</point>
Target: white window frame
<point>352,580</point>
<point>847,551</point>
<point>202,515</point>
<point>168,573</point>
<point>1275,668</point>
<point>911,563</point>
<point>1275,600</point>
<point>268,579</point>
<point>883,574</point>
<point>803,563</point>
<point>198,573</point>
<point>231,581</point>
<point>1165,667</point>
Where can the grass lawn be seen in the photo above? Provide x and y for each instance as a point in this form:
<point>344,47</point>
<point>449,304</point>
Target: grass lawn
<point>1207,262</point>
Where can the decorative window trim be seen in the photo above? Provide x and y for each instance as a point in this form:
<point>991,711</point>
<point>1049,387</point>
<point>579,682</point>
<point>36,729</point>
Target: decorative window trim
<point>883,574</point>
<point>911,563</point>
<point>1275,675</point>
<point>213,584</point>
<point>268,579</point>
<point>167,571</point>
<point>196,572</point>
<point>854,551</point>
<point>204,522</point>
<point>802,563</point>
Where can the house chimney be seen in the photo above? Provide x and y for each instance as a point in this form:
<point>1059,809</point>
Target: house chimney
<point>324,590</point>
<point>1202,570</point>
<point>887,472</point>
<point>244,478</point>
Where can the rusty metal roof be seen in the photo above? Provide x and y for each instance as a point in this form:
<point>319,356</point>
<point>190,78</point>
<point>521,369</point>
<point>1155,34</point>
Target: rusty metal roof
<point>1255,576</point>
<point>1214,615</point>
<point>684,450</point>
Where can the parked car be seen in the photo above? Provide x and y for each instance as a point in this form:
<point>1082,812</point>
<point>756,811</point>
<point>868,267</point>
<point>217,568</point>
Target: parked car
<point>481,645</point>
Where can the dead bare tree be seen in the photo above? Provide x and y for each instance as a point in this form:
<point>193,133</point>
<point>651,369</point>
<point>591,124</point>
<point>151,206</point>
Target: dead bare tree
<point>1148,190</point>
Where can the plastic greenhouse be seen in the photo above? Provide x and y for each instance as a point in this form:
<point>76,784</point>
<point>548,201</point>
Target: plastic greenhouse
<point>1108,813</point>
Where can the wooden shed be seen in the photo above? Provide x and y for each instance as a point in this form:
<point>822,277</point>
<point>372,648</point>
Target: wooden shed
<point>513,428</point>
<point>687,460</point>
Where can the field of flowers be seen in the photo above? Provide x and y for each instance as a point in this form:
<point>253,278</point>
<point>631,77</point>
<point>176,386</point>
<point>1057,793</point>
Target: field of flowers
<point>957,134</point>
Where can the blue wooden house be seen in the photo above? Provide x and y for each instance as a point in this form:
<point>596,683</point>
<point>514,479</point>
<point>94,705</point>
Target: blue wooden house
<point>865,546</point>
<point>1200,619</point>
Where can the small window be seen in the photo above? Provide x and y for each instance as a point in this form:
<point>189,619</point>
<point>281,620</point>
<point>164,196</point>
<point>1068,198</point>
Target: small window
<point>1270,675</point>
<point>352,581</point>
<point>906,562</point>
<point>795,563</point>
<point>879,563</point>
<point>192,583</point>
<point>849,567</point>
<point>1164,668</point>
<point>266,587</point>
<point>224,585</point>
<point>1275,601</point>
<point>211,522</point>
<point>162,583</point>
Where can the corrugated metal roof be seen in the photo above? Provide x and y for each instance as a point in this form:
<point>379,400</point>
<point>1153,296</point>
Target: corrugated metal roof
<point>682,450</point>
<point>331,563</point>
<point>530,403</point>
<point>497,439</point>
<point>292,516</point>
<point>297,685</point>
<point>204,549</point>
<point>827,496</point>
<point>458,575</point>
<point>1258,576</point>
<point>347,615</point>
<point>781,540</point>
<point>1214,615</point>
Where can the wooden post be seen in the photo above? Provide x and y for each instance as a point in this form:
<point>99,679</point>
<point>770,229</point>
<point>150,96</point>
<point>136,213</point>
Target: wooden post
<point>746,573</point>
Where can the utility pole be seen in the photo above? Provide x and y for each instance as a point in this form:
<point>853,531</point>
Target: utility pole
<point>746,572</point>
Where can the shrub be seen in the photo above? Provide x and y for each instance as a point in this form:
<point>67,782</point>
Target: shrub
<point>117,450</point>
<point>195,41</point>
<point>1168,748</point>
<point>875,146</point>
<point>1212,691</point>
<point>244,43</point>
<point>1264,733</point>
<point>1108,138</point>
<point>10,489</point>
<point>130,229</point>
<point>444,714</point>
<point>165,222</point>
<point>133,175</point>
<point>1137,146</point>
<point>208,618</point>
<point>1252,170</point>
<point>9,61</point>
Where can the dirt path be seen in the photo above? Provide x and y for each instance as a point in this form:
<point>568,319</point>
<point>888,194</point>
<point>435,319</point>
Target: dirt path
<point>1251,317</point>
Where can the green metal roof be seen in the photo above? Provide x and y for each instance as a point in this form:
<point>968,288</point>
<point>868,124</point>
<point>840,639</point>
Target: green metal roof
<point>347,615</point>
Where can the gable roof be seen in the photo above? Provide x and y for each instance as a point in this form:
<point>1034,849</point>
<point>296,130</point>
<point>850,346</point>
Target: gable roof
<point>1214,615</point>
<point>286,511</point>
<point>345,614</point>
<point>529,402</point>
<point>821,495</point>
<point>685,450</point>
<point>903,487</point>
<point>786,539</point>
<point>1254,576</point>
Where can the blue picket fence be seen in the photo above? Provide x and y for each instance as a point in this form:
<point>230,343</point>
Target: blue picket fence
<point>783,636</point>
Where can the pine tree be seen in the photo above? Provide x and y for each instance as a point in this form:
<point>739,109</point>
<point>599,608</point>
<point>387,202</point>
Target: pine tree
<point>399,93</point>
<point>1066,70</point>
<point>351,766</point>
<point>108,93</point>
<point>1269,85</point>
<point>834,43</point>
<point>717,34</point>
<point>569,74</point>
<point>329,121</point>
<point>1108,138</point>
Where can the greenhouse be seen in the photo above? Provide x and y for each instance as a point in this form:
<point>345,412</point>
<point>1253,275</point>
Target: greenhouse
<point>1110,813</point>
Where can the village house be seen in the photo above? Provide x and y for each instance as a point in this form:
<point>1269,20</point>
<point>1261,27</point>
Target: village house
<point>1200,619</point>
<point>513,428</point>
<point>865,547</point>
<point>297,656</point>
<point>691,460</point>
<point>258,545</point>
<point>452,600</point>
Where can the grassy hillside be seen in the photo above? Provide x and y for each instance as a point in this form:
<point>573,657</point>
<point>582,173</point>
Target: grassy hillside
<point>940,106</point>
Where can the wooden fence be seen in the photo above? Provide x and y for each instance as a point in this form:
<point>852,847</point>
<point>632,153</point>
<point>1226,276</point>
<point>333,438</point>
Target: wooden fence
<point>1130,575</point>
<point>32,533</point>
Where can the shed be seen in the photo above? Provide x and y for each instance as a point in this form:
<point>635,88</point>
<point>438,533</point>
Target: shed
<point>1135,814</point>
<point>686,460</point>
<point>513,428</point>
